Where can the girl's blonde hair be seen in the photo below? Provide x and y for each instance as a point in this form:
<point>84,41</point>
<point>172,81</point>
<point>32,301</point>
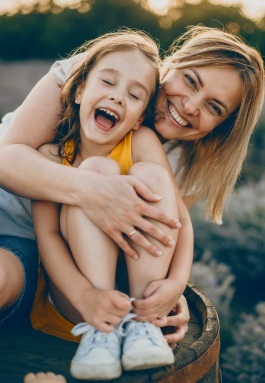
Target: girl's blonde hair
<point>210,166</point>
<point>120,40</point>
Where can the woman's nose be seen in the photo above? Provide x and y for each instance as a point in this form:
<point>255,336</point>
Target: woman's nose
<point>191,105</point>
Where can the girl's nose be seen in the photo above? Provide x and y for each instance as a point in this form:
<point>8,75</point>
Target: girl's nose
<point>117,98</point>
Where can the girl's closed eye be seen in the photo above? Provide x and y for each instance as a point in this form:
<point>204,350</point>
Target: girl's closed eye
<point>108,81</point>
<point>135,96</point>
<point>137,93</point>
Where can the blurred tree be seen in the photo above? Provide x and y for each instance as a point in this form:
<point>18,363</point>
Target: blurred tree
<point>45,30</point>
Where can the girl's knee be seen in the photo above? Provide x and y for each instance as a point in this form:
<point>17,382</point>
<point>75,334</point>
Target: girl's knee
<point>151,174</point>
<point>101,165</point>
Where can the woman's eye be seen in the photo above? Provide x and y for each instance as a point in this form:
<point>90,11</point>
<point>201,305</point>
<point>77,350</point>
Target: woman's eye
<point>191,81</point>
<point>216,109</point>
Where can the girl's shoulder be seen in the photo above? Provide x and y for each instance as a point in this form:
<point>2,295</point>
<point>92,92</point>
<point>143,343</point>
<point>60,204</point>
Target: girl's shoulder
<point>145,144</point>
<point>145,136</point>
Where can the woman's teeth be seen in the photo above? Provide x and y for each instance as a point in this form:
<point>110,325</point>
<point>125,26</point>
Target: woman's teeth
<point>176,116</point>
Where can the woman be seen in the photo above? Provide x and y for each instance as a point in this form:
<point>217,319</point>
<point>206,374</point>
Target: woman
<point>211,97</point>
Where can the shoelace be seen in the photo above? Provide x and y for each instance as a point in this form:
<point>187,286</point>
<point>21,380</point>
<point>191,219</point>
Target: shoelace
<point>142,330</point>
<point>94,338</point>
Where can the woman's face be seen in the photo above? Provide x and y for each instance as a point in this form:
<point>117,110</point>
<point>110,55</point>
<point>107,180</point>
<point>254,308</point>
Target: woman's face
<point>195,100</point>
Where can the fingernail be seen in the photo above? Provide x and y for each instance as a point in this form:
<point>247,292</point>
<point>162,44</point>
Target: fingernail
<point>171,243</point>
<point>136,257</point>
<point>177,224</point>
<point>156,196</point>
<point>158,252</point>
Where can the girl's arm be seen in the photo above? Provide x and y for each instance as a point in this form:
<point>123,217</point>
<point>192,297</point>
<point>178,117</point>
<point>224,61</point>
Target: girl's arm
<point>25,172</point>
<point>162,295</point>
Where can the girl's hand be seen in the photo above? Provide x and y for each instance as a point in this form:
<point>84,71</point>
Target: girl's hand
<point>118,207</point>
<point>105,308</point>
<point>159,298</point>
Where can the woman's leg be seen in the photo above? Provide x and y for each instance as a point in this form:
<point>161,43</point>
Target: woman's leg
<point>18,275</point>
<point>11,279</point>
<point>149,268</point>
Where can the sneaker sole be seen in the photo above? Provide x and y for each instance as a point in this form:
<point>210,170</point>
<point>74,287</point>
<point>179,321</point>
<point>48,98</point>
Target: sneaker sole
<point>143,362</point>
<point>100,372</point>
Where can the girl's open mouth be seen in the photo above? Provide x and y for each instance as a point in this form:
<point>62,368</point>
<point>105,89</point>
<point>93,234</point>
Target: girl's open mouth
<point>106,118</point>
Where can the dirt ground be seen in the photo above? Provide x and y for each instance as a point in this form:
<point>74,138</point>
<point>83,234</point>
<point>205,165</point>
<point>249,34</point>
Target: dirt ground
<point>16,80</point>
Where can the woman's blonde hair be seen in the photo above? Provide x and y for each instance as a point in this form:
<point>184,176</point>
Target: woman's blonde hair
<point>121,40</point>
<point>210,166</point>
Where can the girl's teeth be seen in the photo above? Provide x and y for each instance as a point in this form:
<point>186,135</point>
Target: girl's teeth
<point>176,116</point>
<point>110,113</point>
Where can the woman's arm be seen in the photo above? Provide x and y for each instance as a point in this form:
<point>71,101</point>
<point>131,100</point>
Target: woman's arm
<point>25,172</point>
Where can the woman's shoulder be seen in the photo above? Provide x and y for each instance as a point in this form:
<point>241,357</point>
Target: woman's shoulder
<point>63,68</point>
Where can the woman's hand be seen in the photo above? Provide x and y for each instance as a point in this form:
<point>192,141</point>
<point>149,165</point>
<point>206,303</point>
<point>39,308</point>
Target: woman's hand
<point>175,325</point>
<point>119,206</point>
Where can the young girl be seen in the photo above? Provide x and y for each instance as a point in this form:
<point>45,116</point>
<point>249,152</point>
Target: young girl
<point>104,103</point>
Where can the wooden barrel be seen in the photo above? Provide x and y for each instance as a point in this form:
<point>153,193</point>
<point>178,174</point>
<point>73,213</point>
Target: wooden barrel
<point>23,349</point>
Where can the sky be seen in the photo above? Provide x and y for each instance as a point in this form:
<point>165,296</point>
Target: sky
<point>252,8</point>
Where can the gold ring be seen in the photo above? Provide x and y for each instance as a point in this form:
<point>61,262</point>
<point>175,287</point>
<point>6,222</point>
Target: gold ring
<point>132,233</point>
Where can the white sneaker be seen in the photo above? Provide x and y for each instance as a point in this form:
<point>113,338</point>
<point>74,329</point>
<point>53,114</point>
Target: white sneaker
<point>145,347</point>
<point>98,354</point>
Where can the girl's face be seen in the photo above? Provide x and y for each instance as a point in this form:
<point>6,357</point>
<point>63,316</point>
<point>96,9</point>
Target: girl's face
<point>195,100</point>
<point>114,98</point>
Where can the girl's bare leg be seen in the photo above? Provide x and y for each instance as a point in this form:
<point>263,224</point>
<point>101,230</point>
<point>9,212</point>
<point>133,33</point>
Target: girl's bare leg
<point>149,268</point>
<point>11,279</point>
<point>94,252</point>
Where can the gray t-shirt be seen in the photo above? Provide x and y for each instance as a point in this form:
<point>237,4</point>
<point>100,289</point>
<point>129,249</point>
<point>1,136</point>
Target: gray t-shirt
<point>15,212</point>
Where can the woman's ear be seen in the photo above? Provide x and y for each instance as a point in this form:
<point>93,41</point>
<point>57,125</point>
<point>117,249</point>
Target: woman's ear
<point>79,94</point>
<point>139,122</point>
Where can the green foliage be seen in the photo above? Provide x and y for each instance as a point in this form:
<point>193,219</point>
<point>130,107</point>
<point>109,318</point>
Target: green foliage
<point>244,362</point>
<point>215,280</point>
<point>240,241</point>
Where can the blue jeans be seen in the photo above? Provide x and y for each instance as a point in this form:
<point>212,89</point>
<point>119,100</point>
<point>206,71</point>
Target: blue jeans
<point>26,251</point>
